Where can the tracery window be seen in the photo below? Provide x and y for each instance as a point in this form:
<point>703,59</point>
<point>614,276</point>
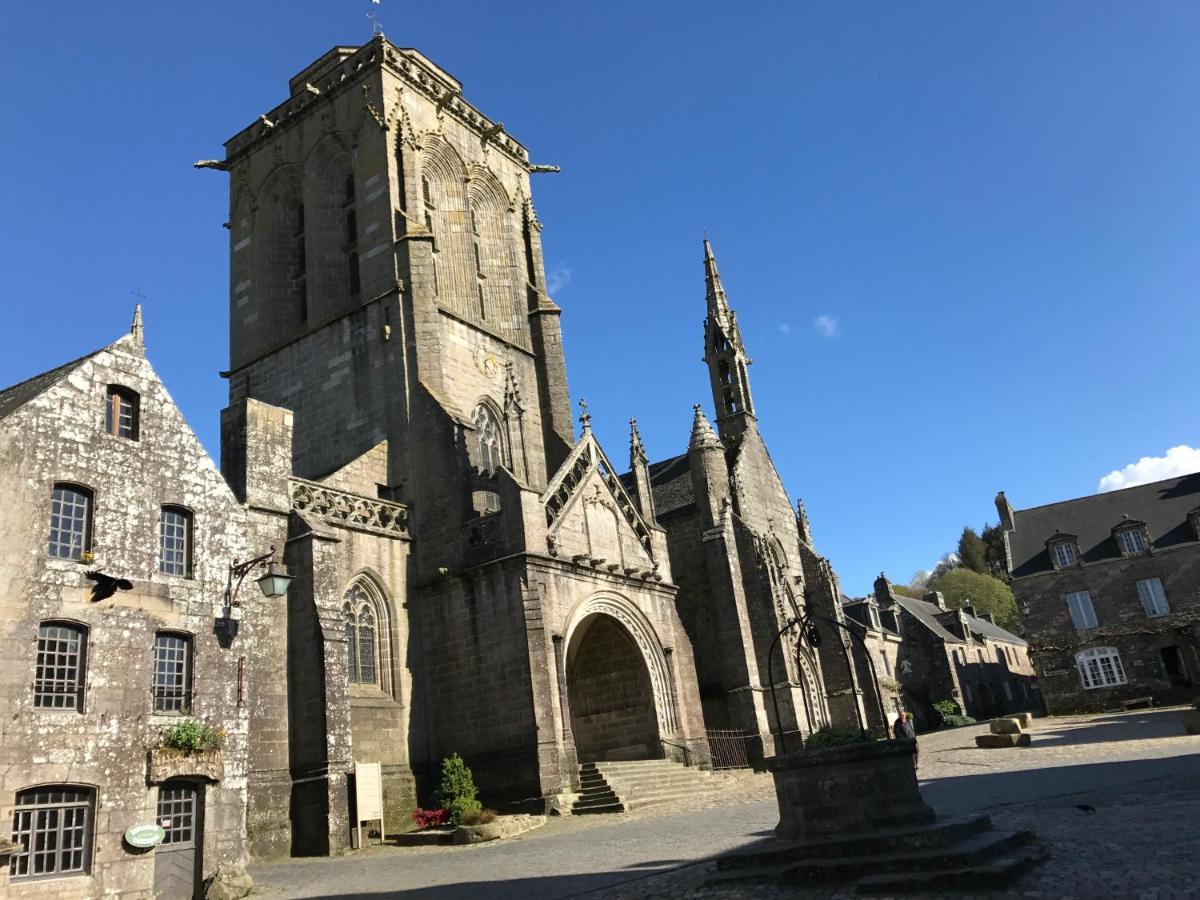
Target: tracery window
<point>364,627</point>
<point>487,434</point>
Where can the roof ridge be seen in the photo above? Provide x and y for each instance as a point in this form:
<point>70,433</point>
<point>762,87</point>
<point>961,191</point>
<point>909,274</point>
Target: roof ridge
<point>1132,487</point>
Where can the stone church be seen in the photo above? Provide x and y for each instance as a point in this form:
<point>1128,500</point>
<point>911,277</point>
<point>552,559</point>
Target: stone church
<point>472,576</point>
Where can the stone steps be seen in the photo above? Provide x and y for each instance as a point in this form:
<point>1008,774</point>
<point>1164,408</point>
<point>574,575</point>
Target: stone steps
<point>632,784</point>
<point>939,834</point>
<point>957,854</point>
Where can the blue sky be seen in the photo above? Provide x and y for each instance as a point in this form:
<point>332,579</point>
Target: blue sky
<point>961,238</point>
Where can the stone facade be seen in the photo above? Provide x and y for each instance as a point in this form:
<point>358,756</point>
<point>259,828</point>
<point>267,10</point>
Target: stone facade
<point>935,653</point>
<point>1108,587</point>
<point>399,420</point>
<point>89,722</point>
<point>744,561</point>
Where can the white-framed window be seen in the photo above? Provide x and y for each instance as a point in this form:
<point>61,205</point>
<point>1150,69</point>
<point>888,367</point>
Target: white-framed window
<point>873,616</point>
<point>1132,541</point>
<point>61,671</point>
<point>1064,554</point>
<point>175,541</point>
<point>1083,614</point>
<point>1153,597</point>
<point>1100,667</point>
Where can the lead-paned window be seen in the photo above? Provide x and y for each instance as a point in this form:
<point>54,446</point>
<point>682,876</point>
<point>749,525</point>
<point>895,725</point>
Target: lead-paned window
<point>487,434</point>
<point>176,813</point>
<point>1083,614</point>
<point>61,666</point>
<point>70,521</point>
<point>172,673</point>
<point>1100,667</point>
<point>1153,597</point>
<point>365,627</point>
<point>121,412</point>
<point>174,541</point>
<point>53,828</point>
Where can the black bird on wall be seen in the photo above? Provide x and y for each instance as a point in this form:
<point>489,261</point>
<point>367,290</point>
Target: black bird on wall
<point>107,585</point>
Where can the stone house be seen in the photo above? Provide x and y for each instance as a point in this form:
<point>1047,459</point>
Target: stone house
<point>471,575</point>
<point>944,654</point>
<point>116,537</point>
<point>1108,588</point>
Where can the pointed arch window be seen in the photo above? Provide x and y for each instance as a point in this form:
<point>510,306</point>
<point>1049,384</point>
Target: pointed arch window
<point>350,242</point>
<point>487,436</point>
<point>365,627</point>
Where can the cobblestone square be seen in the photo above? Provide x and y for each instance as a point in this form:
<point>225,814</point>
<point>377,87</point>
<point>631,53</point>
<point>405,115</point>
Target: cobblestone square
<point>1117,798</point>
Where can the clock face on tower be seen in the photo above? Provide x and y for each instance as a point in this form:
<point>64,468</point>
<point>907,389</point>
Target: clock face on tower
<point>488,363</point>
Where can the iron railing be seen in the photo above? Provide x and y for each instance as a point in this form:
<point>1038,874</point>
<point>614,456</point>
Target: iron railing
<point>730,748</point>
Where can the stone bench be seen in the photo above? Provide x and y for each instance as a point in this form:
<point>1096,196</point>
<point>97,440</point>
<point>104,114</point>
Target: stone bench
<point>1007,732</point>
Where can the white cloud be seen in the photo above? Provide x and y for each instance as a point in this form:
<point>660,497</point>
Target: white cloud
<point>785,328</point>
<point>827,326</point>
<point>1181,460</point>
<point>558,278</point>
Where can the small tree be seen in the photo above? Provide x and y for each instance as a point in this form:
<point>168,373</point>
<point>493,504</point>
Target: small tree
<point>457,790</point>
<point>972,552</point>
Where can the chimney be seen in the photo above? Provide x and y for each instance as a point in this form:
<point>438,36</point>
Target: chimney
<point>1006,512</point>
<point>936,598</point>
<point>883,590</point>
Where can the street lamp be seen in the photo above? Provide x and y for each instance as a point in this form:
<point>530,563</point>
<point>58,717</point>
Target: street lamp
<point>273,582</point>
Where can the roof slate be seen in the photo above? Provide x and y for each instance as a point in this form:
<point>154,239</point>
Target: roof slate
<point>13,398</point>
<point>671,482</point>
<point>1162,505</point>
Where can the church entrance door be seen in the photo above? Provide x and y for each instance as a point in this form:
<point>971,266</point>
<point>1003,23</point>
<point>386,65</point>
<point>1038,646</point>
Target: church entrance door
<point>610,694</point>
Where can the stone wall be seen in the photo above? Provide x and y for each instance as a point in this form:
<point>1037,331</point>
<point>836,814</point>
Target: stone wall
<point>1054,642</point>
<point>60,435</point>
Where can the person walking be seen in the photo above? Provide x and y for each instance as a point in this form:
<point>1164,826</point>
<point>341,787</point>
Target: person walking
<point>903,729</point>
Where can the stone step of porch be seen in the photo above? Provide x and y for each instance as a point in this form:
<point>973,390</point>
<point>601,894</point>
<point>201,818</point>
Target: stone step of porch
<point>1000,873</point>
<point>629,784</point>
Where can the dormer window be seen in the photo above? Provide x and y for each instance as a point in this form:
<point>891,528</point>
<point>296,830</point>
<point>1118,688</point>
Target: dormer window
<point>873,615</point>
<point>1131,538</point>
<point>1064,550</point>
<point>121,407</point>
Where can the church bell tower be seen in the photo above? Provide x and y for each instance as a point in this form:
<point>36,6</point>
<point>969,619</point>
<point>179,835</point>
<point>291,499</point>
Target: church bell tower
<point>725,355</point>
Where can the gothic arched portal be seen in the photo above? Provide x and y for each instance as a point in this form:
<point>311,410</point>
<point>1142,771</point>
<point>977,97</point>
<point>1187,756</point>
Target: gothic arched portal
<point>610,693</point>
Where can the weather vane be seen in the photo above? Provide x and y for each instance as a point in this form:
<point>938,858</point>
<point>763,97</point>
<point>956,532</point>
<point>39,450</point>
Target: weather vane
<point>376,28</point>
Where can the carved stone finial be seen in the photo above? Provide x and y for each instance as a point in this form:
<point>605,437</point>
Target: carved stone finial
<point>136,329</point>
<point>703,435</point>
<point>585,418</point>
<point>512,390</point>
<point>637,450</point>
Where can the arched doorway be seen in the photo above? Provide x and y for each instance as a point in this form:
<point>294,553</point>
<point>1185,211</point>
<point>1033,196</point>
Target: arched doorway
<point>610,693</point>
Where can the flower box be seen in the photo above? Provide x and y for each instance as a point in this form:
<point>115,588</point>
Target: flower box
<point>166,763</point>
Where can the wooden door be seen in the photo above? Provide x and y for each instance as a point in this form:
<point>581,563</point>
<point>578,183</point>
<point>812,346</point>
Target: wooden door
<point>178,860</point>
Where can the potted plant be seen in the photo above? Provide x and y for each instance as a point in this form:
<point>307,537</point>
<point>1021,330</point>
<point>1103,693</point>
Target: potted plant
<point>188,748</point>
<point>1191,718</point>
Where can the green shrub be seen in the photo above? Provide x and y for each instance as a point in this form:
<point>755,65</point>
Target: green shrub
<point>948,708</point>
<point>190,736</point>
<point>956,721</point>
<point>836,737</point>
<point>456,794</point>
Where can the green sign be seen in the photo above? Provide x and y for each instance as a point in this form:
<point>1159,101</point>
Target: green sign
<point>144,834</point>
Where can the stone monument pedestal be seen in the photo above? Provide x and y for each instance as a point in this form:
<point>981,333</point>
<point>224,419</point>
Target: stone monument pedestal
<point>848,790</point>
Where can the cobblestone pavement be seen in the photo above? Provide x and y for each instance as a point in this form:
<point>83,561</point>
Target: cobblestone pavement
<point>1138,771</point>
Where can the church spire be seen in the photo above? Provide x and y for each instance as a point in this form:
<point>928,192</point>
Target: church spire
<point>136,329</point>
<point>643,493</point>
<point>703,435</point>
<point>725,354</point>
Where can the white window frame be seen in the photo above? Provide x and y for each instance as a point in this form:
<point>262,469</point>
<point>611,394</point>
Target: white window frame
<point>1100,667</point>
<point>1153,597</point>
<point>1083,617</point>
<point>1064,554</point>
<point>1133,541</point>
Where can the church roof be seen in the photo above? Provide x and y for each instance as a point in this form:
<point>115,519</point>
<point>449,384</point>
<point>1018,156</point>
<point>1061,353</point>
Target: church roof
<point>671,482</point>
<point>1163,505</point>
<point>13,398</point>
